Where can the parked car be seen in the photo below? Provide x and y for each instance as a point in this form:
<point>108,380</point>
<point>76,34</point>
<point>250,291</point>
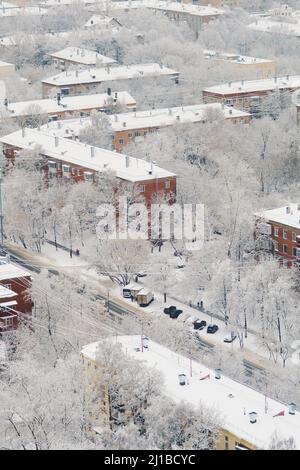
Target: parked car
<point>172,311</point>
<point>230,338</point>
<point>212,329</point>
<point>175,314</point>
<point>199,324</point>
<point>141,274</point>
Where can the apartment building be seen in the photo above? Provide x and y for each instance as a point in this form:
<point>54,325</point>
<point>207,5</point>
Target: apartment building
<point>66,106</point>
<point>249,419</point>
<point>78,82</point>
<point>79,56</point>
<point>241,64</point>
<point>249,94</point>
<point>135,126</point>
<point>71,160</point>
<point>15,301</point>
<point>279,231</point>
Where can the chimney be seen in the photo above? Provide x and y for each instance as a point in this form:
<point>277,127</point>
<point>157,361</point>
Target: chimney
<point>116,118</point>
<point>76,73</point>
<point>292,409</point>
<point>229,84</point>
<point>170,112</point>
<point>109,91</point>
<point>253,417</point>
<point>287,77</point>
<point>56,141</point>
<point>6,102</point>
<point>23,132</point>
<point>127,158</point>
<point>298,207</point>
<point>217,374</point>
<point>58,98</point>
<point>124,124</point>
<point>288,210</point>
<point>275,79</point>
<point>92,152</point>
<point>151,167</point>
<point>178,118</point>
<point>230,111</point>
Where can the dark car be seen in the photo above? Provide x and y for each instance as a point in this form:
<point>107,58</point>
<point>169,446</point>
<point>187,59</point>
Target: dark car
<point>175,314</point>
<point>172,311</point>
<point>212,329</point>
<point>199,324</point>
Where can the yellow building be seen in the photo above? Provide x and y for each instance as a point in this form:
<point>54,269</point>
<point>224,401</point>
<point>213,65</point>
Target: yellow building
<point>244,66</point>
<point>249,420</point>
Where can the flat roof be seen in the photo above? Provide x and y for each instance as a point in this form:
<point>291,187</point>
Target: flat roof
<point>121,72</point>
<point>82,56</point>
<point>232,400</point>
<point>195,10</point>
<point>252,86</point>
<point>20,10</point>
<point>282,215</point>
<point>12,271</point>
<point>268,25</point>
<point>71,103</point>
<point>145,119</point>
<point>78,153</point>
<point>235,58</point>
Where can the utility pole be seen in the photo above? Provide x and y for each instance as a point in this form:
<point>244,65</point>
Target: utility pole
<point>1,209</point>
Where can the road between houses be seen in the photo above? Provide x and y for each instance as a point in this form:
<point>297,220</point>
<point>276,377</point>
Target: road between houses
<point>36,262</point>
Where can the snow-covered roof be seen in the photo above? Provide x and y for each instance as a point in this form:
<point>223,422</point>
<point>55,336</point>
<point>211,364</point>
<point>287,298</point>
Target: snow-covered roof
<point>12,271</point>
<point>288,215</point>
<point>77,153</point>
<point>98,75</point>
<point>235,58</point>
<point>27,10</point>
<point>232,400</point>
<point>5,64</point>
<point>252,86</point>
<point>269,25</point>
<point>82,56</point>
<point>5,292</point>
<point>195,10</point>
<point>71,103</point>
<point>146,119</point>
<point>100,20</point>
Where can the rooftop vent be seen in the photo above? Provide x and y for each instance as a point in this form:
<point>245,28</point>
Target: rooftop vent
<point>92,152</point>
<point>127,158</point>
<point>56,141</point>
<point>182,379</point>
<point>253,417</point>
<point>217,374</point>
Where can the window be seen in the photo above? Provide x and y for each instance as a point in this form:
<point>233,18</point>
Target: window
<point>275,244</point>
<point>294,251</point>
<point>167,184</point>
<point>121,141</point>
<point>52,165</point>
<point>276,232</point>
<point>298,253</point>
<point>88,176</point>
<point>294,236</point>
<point>142,188</point>
<point>285,249</point>
<point>285,234</point>
<point>226,443</point>
<point>66,168</point>
<point>130,135</point>
<point>137,134</point>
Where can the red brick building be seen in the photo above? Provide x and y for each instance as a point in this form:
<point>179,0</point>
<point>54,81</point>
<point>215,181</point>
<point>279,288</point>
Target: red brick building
<point>15,301</point>
<point>69,159</point>
<point>279,231</point>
